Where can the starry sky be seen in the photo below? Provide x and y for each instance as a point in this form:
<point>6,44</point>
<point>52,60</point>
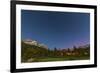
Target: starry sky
<point>56,29</point>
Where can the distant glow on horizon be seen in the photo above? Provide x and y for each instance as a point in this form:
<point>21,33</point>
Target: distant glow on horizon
<point>56,29</point>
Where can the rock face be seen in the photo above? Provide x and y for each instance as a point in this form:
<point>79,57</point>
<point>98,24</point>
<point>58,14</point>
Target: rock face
<point>30,42</point>
<point>34,42</point>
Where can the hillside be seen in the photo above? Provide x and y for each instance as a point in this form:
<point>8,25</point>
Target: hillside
<point>30,51</point>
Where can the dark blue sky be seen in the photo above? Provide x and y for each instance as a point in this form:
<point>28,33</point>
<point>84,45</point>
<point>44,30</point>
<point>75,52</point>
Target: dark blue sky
<point>56,29</point>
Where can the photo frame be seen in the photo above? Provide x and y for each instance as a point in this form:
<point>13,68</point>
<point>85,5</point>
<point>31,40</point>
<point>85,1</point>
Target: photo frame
<point>43,10</point>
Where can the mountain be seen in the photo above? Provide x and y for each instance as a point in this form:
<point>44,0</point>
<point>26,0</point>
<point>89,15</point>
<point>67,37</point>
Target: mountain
<point>35,43</point>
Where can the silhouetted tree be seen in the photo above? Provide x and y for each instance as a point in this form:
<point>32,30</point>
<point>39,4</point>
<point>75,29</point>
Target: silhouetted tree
<point>68,49</point>
<point>55,49</point>
<point>74,47</point>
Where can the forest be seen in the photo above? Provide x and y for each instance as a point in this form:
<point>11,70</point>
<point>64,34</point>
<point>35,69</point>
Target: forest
<point>33,53</point>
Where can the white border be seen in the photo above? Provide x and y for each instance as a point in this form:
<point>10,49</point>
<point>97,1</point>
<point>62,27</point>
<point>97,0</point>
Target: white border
<point>20,65</point>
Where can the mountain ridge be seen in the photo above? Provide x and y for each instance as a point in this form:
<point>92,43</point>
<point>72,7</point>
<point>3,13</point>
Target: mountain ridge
<point>35,43</point>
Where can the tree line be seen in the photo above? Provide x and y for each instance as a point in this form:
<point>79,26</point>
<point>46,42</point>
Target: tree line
<point>32,51</point>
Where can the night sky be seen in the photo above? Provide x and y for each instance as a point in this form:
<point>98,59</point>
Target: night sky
<point>56,29</point>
